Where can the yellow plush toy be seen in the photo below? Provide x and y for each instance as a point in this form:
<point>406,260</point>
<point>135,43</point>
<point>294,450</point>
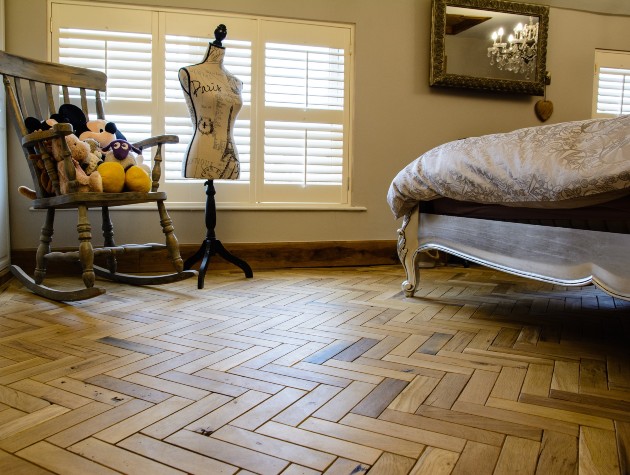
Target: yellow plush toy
<point>116,179</point>
<point>113,176</point>
<point>137,179</point>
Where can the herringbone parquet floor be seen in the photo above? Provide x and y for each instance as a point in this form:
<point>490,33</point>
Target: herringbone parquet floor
<point>317,371</point>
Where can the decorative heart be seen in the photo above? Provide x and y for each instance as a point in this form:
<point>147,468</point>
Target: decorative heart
<point>543,109</point>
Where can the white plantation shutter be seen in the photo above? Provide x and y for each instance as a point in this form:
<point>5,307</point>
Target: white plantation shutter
<point>292,131</point>
<point>611,94</point>
<point>304,110</point>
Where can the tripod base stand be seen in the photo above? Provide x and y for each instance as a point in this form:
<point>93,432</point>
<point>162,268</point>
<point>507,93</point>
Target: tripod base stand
<point>211,245</point>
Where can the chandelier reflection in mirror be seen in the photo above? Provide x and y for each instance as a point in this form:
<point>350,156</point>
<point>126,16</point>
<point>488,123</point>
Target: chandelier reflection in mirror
<point>518,54</point>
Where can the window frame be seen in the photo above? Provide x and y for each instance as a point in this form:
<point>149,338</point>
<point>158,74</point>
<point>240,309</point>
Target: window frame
<point>230,194</point>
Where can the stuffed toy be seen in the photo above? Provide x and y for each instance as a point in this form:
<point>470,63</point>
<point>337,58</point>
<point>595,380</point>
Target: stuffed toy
<point>121,151</point>
<point>136,172</point>
<point>42,175</point>
<point>113,176</point>
<point>100,130</point>
<point>80,152</point>
<point>32,124</point>
<point>94,157</point>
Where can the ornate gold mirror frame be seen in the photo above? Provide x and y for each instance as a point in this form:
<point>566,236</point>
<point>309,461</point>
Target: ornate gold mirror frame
<point>473,13</point>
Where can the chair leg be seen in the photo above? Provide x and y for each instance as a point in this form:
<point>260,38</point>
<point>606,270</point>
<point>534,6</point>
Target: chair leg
<point>171,241</point>
<point>86,252</point>
<point>108,235</point>
<point>43,248</point>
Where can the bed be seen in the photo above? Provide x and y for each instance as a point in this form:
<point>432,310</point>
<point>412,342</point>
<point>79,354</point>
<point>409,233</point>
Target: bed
<point>550,203</point>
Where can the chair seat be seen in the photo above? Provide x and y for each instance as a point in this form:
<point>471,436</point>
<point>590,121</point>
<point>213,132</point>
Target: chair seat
<point>96,200</point>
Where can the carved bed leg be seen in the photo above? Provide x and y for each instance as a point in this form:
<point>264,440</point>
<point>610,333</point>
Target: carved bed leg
<point>44,246</point>
<point>409,260</point>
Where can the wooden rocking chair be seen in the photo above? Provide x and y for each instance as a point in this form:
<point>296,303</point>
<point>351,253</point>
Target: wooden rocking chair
<point>29,82</point>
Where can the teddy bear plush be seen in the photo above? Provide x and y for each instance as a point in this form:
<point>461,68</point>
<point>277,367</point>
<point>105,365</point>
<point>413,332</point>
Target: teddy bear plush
<point>100,130</point>
<point>94,157</point>
<point>80,152</point>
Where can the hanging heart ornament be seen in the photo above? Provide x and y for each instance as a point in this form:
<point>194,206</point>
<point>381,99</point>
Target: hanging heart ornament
<point>543,109</point>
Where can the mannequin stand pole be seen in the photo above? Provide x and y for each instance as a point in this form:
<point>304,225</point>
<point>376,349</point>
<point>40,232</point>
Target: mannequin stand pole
<point>211,245</point>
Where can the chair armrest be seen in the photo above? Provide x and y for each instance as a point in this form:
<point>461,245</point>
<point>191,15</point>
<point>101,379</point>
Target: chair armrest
<point>57,130</point>
<point>157,141</point>
<point>34,138</point>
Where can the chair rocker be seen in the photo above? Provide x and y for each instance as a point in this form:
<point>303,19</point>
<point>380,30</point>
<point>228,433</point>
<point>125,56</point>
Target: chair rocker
<point>45,81</point>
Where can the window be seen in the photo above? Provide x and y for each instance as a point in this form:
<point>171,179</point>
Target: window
<point>292,134</point>
<point>611,85</point>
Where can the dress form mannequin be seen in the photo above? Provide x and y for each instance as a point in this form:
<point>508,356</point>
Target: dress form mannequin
<point>213,97</point>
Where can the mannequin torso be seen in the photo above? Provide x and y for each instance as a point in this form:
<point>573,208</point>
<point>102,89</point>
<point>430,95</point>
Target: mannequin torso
<point>213,97</point>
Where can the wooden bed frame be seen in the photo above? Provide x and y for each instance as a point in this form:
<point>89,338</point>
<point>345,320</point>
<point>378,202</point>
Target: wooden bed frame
<point>570,257</point>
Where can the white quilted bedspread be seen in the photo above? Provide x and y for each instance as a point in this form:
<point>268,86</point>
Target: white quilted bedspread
<point>549,164</point>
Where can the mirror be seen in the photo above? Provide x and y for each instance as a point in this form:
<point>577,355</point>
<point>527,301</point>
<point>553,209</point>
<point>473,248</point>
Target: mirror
<point>491,45</point>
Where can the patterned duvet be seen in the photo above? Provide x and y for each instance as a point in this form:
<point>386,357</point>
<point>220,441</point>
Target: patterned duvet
<point>547,166</point>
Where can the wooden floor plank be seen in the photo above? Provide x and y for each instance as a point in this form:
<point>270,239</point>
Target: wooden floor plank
<point>80,431</point>
<point>598,451</point>
<point>17,466</point>
<point>324,443</point>
<point>394,429</point>
<point>171,455</point>
<point>228,453</point>
<point>53,426</point>
<point>389,464</point>
<point>345,401</point>
<point>30,420</point>
<point>477,458</point>
<point>369,438</point>
<point>435,461</point>
<point>185,416</point>
<point>278,448</point>
<point>558,454</point>
<point>120,459</point>
<point>58,460</point>
<point>137,422</point>
<point>517,456</point>
<point>307,405</point>
<point>217,418</point>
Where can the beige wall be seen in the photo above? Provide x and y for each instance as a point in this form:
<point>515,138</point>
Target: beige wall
<point>397,116</point>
